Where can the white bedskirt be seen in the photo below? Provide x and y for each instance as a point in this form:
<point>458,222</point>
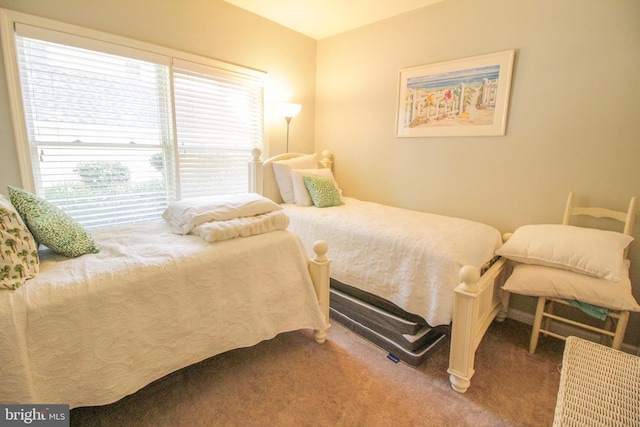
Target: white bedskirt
<point>91,330</point>
<point>408,257</point>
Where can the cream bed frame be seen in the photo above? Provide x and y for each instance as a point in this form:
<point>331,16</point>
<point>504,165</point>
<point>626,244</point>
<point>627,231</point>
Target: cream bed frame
<point>478,299</point>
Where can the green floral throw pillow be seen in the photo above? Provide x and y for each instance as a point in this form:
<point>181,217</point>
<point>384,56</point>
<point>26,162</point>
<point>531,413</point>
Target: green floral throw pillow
<point>51,226</point>
<point>19,253</point>
<point>323,191</point>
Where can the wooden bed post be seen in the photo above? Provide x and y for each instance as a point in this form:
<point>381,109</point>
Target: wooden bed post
<point>319,271</point>
<point>462,352</point>
<point>327,159</point>
<point>255,171</point>
<point>477,301</point>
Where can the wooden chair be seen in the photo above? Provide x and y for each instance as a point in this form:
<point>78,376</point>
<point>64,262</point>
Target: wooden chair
<point>615,324</point>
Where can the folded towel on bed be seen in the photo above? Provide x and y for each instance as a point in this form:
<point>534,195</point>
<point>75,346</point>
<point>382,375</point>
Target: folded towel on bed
<point>215,231</point>
<point>183,215</point>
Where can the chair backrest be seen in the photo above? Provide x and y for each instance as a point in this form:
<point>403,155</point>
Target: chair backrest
<point>628,217</point>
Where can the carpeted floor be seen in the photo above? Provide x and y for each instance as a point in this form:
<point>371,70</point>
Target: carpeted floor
<point>292,381</point>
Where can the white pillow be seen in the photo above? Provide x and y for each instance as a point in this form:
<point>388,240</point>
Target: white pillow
<point>589,251</point>
<point>541,281</point>
<point>183,215</point>
<point>300,193</point>
<point>282,170</point>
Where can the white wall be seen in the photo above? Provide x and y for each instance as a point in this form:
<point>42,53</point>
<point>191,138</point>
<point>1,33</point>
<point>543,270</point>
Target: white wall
<point>574,117</point>
<point>210,28</point>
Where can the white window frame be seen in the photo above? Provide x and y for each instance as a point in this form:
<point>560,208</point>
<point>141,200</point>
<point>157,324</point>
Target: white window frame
<point>8,21</point>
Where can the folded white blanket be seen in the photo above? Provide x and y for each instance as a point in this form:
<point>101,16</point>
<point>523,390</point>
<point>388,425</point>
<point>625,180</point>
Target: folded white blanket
<point>215,231</point>
<point>183,215</point>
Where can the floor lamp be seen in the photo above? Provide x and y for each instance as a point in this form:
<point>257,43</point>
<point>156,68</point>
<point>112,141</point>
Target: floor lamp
<point>289,111</point>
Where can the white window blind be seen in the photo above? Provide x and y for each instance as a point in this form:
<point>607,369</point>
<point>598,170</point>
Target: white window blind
<point>99,131</point>
<point>100,124</point>
<point>219,118</point>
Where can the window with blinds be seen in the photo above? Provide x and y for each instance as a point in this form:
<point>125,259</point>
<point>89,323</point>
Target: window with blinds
<point>218,117</point>
<point>114,134</point>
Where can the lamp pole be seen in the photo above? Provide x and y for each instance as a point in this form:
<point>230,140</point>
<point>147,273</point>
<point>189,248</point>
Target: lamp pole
<point>289,111</point>
<point>288,119</point>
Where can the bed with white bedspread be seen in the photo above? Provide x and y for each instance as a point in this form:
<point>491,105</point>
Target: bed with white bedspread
<point>93,329</point>
<point>428,265</point>
<point>407,257</point>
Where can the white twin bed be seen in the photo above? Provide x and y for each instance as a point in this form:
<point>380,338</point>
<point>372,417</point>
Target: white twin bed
<point>90,330</point>
<point>409,258</point>
<point>427,265</point>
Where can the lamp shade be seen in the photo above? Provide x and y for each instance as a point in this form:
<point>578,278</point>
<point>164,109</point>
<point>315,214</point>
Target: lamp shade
<point>289,110</point>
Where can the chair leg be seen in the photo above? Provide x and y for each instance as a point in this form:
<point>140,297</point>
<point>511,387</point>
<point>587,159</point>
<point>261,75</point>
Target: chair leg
<point>620,330</point>
<point>609,325</point>
<point>537,322</point>
<point>549,307</point>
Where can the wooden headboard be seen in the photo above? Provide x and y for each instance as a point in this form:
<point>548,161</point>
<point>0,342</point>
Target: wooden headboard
<point>262,180</point>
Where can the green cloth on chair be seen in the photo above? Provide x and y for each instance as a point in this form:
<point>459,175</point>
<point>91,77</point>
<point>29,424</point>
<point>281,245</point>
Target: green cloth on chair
<point>590,309</point>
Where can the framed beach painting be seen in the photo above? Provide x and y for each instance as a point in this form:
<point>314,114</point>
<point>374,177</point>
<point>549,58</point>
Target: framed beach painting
<point>463,97</point>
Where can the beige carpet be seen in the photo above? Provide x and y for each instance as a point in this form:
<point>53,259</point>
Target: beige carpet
<point>292,381</point>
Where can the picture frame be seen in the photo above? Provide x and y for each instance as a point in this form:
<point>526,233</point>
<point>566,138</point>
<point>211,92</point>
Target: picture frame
<point>462,97</point>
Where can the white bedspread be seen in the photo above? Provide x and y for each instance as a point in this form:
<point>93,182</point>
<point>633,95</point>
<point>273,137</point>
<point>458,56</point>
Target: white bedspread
<point>91,330</point>
<point>408,257</point>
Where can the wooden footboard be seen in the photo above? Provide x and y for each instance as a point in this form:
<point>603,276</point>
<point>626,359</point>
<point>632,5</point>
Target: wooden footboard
<point>319,271</point>
<point>478,301</point>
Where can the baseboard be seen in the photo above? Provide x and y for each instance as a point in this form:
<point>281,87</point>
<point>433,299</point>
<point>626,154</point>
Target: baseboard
<point>566,329</point>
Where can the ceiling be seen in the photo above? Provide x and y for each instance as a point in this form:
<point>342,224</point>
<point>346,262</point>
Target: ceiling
<point>323,18</point>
